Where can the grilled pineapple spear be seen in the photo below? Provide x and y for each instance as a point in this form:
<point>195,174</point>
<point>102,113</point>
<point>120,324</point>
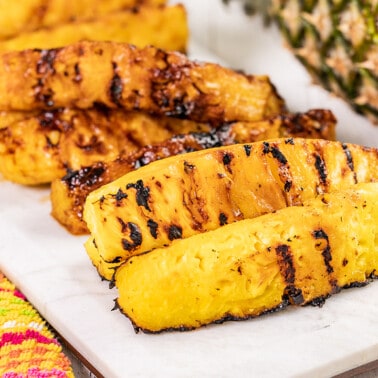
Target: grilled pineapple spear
<point>338,43</point>
<point>42,147</point>
<point>119,75</point>
<point>297,255</point>
<point>165,27</point>
<point>68,194</point>
<point>178,197</point>
<point>28,15</point>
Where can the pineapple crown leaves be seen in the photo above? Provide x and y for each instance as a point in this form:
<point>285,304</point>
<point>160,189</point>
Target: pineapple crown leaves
<point>337,40</point>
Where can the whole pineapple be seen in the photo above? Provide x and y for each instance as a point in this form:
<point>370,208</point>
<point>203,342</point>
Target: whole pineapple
<point>337,40</point>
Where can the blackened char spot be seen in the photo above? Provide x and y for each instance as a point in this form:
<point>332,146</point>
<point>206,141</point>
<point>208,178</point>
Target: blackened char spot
<point>44,68</point>
<point>227,158</point>
<point>174,232</point>
<point>286,263</point>
<point>188,168</point>
<point>86,176</point>
<point>124,226</point>
<point>295,295</point>
<point>77,78</point>
<point>120,195</point>
<point>326,253</point>
<point>321,168</point>
<point>222,219</point>
<point>153,226</point>
<point>182,109</point>
<point>276,153</point>
<point>45,64</point>
<point>214,138</point>
<point>247,149</point>
<point>349,159</point>
<point>142,193</point>
<point>135,237</point>
<point>287,185</point>
<point>349,156</point>
<point>116,87</point>
<point>318,301</point>
<point>287,269</point>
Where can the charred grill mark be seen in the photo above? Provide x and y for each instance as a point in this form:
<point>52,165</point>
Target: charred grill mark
<point>120,195</point>
<point>287,186</point>
<point>45,67</point>
<point>142,193</point>
<point>227,157</point>
<point>284,168</point>
<point>174,232</point>
<point>135,237</point>
<point>321,168</point>
<point>116,87</point>
<point>286,263</point>
<point>349,156</point>
<point>287,269</point>
<point>247,149</point>
<point>124,226</point>
<point>326,253</point>
<point>153,227</point>
<point>276,153</point>
<point>84,177</point>
<point>222,219</point>
<point>349,159</point>
<point>210,139</point>
<point>188,168</point>
<point>77,78</point>
<point>181,108</point>
<point>46,97</point>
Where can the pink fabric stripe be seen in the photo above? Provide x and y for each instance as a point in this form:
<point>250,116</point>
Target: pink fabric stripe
<point>16,293</point>
<point>19,337</point>
<point>37,373</point>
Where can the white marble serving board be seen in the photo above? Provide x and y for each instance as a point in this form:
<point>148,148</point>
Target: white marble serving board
<point>50,266</point>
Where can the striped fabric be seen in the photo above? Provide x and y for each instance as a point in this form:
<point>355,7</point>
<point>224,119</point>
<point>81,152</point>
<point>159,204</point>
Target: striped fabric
<point>27,347</point>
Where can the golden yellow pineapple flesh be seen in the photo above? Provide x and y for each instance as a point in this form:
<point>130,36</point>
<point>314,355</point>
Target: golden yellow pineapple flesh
<point>165,27</point>
<point>41,148</point>
<point>68,193</point>
<point>184,195</point>
<point>119,75</point>
<point>28,15</point>
<point>297,255</point>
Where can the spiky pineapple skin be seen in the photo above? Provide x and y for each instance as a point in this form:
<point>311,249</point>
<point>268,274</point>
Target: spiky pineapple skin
<point>337,41</point>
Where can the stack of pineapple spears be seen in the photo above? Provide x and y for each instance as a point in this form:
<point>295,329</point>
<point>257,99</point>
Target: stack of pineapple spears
<point>248,226</point>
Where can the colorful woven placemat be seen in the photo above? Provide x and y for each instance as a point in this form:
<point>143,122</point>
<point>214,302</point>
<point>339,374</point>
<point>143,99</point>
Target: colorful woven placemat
<point>28,348</point>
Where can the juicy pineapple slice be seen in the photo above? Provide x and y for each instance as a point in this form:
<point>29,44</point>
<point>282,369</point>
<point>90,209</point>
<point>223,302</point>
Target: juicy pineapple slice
<point>118,75</point>
<point>68,194</point>
<point>41,148</point>
<point>188,194</point>
<point>297,255</point>
<point>163,27</point>
<point>27,15</point>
